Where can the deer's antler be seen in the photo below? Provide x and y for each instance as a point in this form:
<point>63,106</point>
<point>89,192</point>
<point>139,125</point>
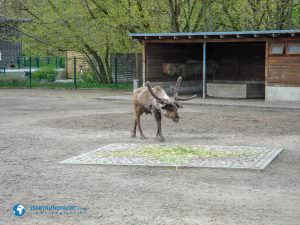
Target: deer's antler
<point>153,94</point>
<point>176,89</point>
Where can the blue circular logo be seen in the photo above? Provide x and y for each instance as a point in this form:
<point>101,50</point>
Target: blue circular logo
<point>19,210</point>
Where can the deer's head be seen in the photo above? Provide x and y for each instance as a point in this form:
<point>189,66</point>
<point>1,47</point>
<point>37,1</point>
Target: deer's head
<point>170,106</point>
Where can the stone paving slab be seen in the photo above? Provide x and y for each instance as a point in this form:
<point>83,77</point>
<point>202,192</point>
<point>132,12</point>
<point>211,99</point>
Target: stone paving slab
<point>242,157</point>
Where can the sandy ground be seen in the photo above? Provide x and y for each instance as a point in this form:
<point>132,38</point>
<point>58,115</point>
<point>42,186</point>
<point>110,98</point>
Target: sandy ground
<point>40,128</point>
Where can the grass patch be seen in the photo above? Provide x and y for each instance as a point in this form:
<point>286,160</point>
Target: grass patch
<point>15,81</point>
<point>12,80</point>
<point>173,154</point>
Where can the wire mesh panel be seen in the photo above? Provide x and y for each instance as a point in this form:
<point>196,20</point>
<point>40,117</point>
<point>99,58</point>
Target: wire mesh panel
<point>126,67</point>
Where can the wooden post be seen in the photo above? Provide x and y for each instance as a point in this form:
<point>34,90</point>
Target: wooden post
<point>30,73</point>
<point>266,65</point>
<point>75,68</point>
<point>204,71</point>
<point>136,66</point>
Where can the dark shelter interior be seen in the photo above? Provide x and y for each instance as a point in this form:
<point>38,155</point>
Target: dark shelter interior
<point>226,62</point>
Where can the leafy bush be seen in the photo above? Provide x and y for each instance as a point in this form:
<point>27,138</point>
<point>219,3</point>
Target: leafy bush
<point>61,75</point>
<point>47,72</point>
<point>89,76</point>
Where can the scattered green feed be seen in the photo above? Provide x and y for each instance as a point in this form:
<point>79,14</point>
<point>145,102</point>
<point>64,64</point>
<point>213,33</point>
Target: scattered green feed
<point>173,154</point>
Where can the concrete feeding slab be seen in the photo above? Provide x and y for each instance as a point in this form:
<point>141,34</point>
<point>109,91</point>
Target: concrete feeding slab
<point>232,157</point>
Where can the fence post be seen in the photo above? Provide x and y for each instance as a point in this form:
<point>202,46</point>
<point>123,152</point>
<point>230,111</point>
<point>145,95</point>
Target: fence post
<point>19,62</point>
<point>48,60</point>
<point>37,61</point>
<point>75,85</point>
<point>116,72</point>
<point>56,62</point>
<point>30,73</point>
<point>204,71</point>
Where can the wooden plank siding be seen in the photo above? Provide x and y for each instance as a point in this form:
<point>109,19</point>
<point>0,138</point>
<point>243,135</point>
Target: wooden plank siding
<point>283,70</point>
<point>81,59</point>
<point>10,51</point>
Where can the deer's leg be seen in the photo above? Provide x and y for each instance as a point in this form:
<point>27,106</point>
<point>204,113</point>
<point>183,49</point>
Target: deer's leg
<point>133,134</point>
<point>159,135</point>
<point>139,126</point>
<point>136,108</point>
<point>139,113</point>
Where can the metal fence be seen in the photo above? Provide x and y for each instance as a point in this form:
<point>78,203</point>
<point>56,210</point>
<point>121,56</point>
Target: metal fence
<point>70,71</point>
<point>19,73</point>
<point>37,62</point>
<point>126,67</point>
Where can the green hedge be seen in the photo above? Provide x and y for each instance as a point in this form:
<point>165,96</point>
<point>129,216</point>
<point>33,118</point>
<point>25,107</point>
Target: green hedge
<point>48,73</point>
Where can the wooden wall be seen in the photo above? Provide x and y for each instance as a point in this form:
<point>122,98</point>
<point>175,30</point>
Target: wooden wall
<point>10,51</point>
<point>283,70</point>
<point>81,59</point>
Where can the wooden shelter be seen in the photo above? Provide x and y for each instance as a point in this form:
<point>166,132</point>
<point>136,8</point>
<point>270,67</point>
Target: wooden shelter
<point>78,60</point>
<point>244,64</point>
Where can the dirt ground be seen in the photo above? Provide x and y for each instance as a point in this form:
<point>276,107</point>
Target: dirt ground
<point>40,128</point>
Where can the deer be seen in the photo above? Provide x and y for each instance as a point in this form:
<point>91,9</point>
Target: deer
<point>155,101</point>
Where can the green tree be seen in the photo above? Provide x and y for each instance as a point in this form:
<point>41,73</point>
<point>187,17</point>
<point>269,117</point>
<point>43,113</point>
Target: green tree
<point>98,28</point>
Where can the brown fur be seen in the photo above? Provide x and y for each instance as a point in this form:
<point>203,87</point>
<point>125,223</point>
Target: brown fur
<point>144,102</point>
<point>156,101</point>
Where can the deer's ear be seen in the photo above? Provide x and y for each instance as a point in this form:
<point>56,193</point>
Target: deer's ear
<point>167,106</point>
<point>178,105</point>
<point>164,106</point>
<point>159,102</point>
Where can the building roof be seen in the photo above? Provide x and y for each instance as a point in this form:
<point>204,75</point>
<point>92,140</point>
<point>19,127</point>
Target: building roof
<point>216,35</point>
<point>10,27</point>
<point>9,20</point>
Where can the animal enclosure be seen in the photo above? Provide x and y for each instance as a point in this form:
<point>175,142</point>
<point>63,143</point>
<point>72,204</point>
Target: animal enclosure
<point>243,64</point>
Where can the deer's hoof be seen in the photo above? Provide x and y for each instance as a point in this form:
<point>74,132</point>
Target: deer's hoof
<point>133,135</point>
<point>143,137</point>
<point>160,138</point>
